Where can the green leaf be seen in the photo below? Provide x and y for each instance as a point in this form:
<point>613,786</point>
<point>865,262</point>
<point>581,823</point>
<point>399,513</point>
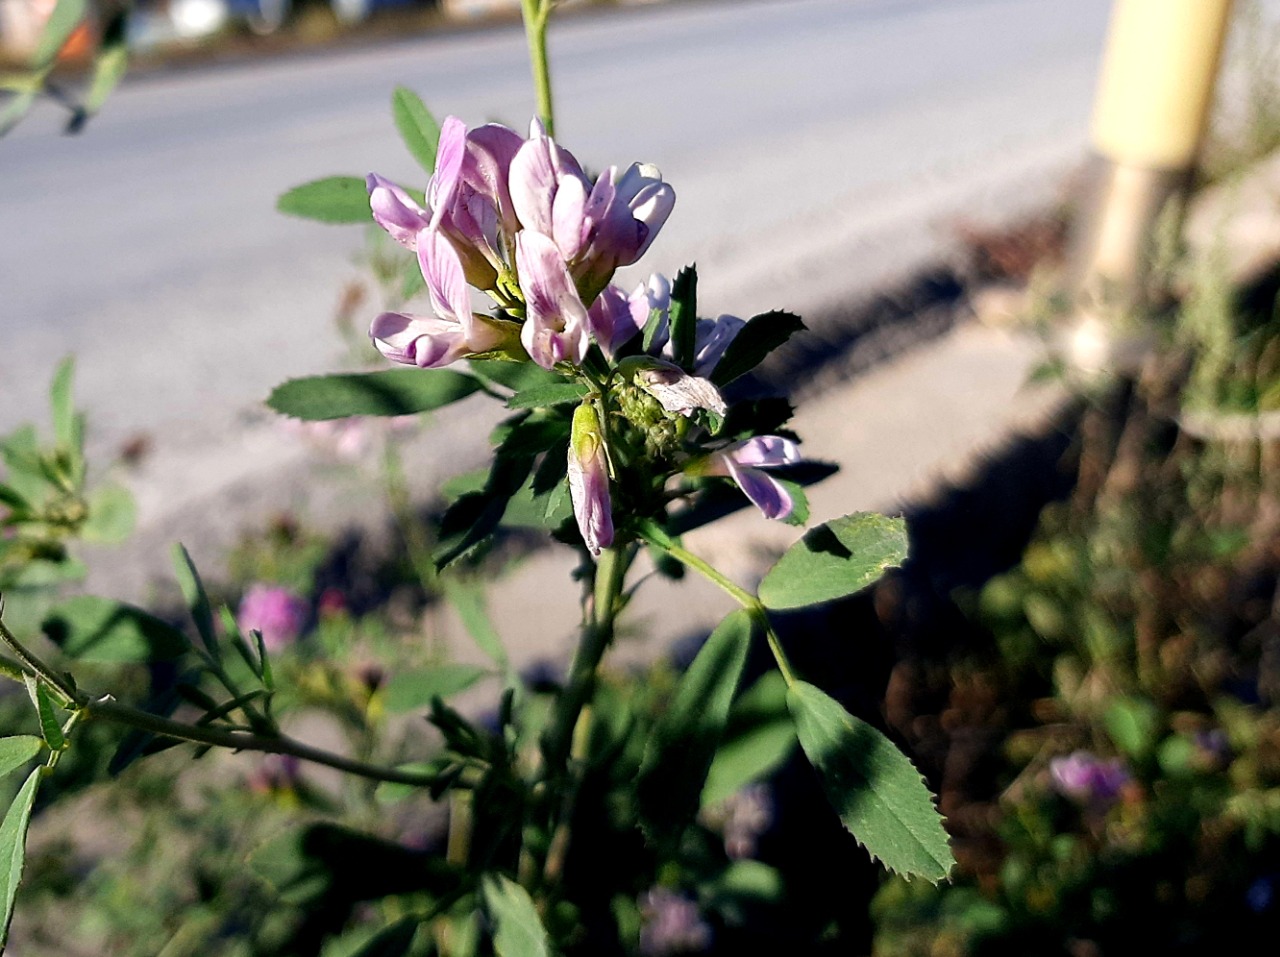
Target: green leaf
<point>758,739</point>
<point>1132,724</point>
<point>655,324</point>
<point>418,128</point>
<point>58,28</point>
<point>684,317</point>
<point>50,726</point>
<point>20,451</point>
<point>836,559</point>
<point>335,199</point>
<point>754,341</point>
<point>17,750</point>
<point>65,431</point>
<point>553,393</point>
<point>418,687</point>
<point>516,376</point>
<point>108,70</point>
<point>799,515</point>
<point>880,796</point>
<point>389,393</point>
<point>517,931</point>
<point>14,108</point>
<point>13,847</point>
<point>197,600</point>
<point>468,600</point>
<point>99,629</point>
<point>684,740</point>
<point>112,515</point>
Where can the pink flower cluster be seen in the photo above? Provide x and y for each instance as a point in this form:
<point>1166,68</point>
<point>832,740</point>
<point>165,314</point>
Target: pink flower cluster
<point>520,220</point>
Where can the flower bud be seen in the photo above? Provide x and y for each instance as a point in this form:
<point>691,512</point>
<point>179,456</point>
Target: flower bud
<point>589,479</point>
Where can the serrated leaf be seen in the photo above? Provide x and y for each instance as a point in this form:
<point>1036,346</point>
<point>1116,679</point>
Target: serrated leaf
<point>99,629</point>
<point>684,317</point>
<point>13,848</point>
<point>418,687</point>
<point>50,726</point>
<point>683,742</point>
<point>112,515</point>
<point>197,599</point>
<point>418,128</point>
<point>66,16</point>
<point>880,796</point>
<point>17,750</point>
<point>339,200</point>
<point>753,343</point>
<point>834,560</point>
<point>552,393</point>
<point>517,931</point>
<point>388,393</point>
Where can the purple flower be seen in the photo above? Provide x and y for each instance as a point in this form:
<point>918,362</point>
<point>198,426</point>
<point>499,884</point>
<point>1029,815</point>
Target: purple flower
<point>671,924</point>
<point>396,211</point>
<point>616,317</point>
<point>555,328</point>
<point>549,192</point>
<point>273,610</point>
<point>621,218</point>
<point>1083,777</point>
<point>454,332</point>
<point>743,462</point>
<point>745,815</point>
<point>589,479</point>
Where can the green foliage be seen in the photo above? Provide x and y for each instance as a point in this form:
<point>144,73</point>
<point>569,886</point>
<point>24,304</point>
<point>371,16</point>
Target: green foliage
<point>418,128</point>
<point>13,844</point>
<point>682,746</point>
<point>517,931</point>
<point>879,795</point>
<point>339,200</point>
<point>98,629</point>
<point>17,750</point>
<point>389,393</point>
<point>834,560</point>
<point>66,16</point>
<point>758,738</point>
<point>758,338</point>
<point>418,687</point>
<point>684,316</point>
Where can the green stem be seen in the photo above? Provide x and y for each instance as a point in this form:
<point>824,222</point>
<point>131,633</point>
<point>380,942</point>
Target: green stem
<point>110,710</point>
<point>38,668</point>
<point>536,13</point>
<point>743,597</point>
<point>611,566</point>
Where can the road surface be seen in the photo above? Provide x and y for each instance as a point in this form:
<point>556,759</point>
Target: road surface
<point>817,147</point>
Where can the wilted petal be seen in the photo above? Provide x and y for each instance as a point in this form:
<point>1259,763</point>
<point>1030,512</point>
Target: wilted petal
<point>676,390</point>
<point>589,480</point>
<point>556,326</point>
<point>395,210</point>
<point>424,341</point>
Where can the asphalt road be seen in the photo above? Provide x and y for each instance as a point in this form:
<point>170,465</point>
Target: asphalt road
<point>817,147</point>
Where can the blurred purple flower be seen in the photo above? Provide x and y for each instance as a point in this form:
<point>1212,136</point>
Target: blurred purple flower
<point>273,610</point>
<point>746,815</point>
<point>275,773</point>
<point>744,461</point>
<point>1085,778</point>
<point>671,924</point>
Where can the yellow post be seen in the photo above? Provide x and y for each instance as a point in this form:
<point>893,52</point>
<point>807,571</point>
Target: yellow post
<point>1150,112</point>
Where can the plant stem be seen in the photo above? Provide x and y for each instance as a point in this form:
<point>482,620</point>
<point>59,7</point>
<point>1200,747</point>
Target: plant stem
<point>747,600</point>
<point>39,669</point>
<point>110,710</point>
<point>536,13</point>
